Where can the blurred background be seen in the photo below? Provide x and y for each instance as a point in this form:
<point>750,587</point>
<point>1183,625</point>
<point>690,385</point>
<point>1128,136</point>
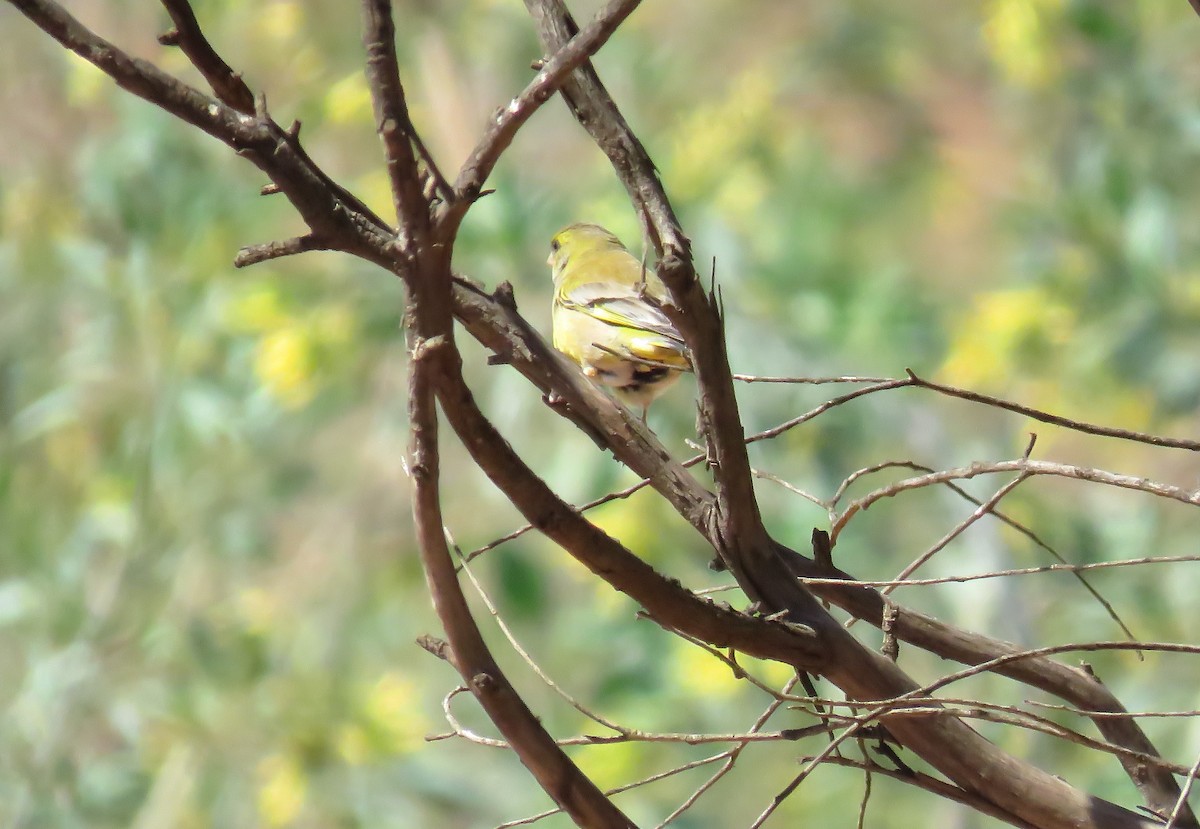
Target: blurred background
<point>208,586</point>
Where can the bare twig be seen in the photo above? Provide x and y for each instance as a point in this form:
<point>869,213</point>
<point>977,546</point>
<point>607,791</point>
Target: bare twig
<point>776,431</point>
<point>1046,417</point>
<point>807,381</point>
<point>1027,467</point>
<point>1000,574</point>
<point>509,120</point>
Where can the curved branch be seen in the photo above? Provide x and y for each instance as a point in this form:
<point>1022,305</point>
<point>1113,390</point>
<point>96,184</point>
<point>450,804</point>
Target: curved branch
<point>561,778</point>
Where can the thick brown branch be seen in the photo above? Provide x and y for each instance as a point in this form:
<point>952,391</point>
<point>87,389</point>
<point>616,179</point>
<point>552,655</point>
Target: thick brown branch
<point>1073,685</point>
<point>664,599</point>
<point>561,778</point>
<point>327,209</point>
<point>696,315</point>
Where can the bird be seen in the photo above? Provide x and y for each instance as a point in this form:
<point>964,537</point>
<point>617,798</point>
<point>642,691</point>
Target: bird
<point>607,316</point>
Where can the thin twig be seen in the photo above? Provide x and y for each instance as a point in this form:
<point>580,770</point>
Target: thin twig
<point>1046,417</point>
<point>554,73</point>
<point>807,381</point>
<point>1023,465</point>
<point>997,574</point>
<point>1181,803</point>
<point>776,431</point>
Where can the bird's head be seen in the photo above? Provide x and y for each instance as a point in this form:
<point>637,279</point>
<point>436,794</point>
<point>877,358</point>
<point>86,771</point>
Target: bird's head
<point>577,239</point>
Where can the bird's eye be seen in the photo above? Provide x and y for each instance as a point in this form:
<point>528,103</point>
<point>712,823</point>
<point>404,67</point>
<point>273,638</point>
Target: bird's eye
<point>555,245</point>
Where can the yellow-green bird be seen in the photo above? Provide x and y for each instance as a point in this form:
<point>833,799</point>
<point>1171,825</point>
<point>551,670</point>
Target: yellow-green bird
<point>607,316</point>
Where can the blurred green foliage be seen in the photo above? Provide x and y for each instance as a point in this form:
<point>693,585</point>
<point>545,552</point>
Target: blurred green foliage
<point>208,588</point>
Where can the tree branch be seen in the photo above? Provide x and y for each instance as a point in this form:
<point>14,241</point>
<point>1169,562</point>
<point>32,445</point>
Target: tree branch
<point>1046,417</point>
<point>503,128</point>
<point>562,779</point>
<point>392,122</point>
<point>1073,685</point>
<point>226,84</point>
<point>736,530</point>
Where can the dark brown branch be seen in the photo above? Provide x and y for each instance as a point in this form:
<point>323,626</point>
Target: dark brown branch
<point>1046,417</point>
<point>391,116</point>
<point>326,208</point>
<point>469,654</point>
<point>952,747</point>
<point>932,785</point>
<point>668,602</point>
<point>226,84</point>
<point>1073,685</point>
<point>733,524</point>
<point>501,329</point>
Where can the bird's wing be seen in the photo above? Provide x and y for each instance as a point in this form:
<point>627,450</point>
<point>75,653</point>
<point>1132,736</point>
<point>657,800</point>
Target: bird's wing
<point>622,306</point>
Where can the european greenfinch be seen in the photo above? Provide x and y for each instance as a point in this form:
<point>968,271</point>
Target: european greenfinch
<point>608,317</point>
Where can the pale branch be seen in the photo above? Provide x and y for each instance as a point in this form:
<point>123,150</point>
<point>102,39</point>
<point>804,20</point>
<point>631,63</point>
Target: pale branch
<point>787,735</point>
<point>806,381</point>
<point>654,778</point>
<point>763,475</point>
<point>730,757</point>
<point>254,254</point>
<point>1181,807</point>
<point>1027,467</point>
<point>525,655</point>
<point>1002,517</point>
<point>776,431</point>
<point>1046,417</point>
<point>1000,574</point>
<point>959,528</point>
<point>459,730</point>
<point>1190,715</point>
<point>1050,650</point>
